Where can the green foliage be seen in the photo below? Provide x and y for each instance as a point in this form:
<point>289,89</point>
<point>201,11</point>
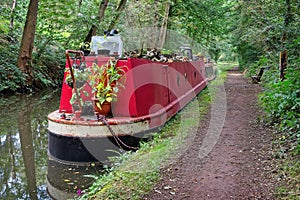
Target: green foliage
<point>281,101</point>
<point>49,61</point>
<point>264,28</point>
<point>64,25</point>
<point>48,55</point>
<point>17,17</point>
<point>55,19</point>
<point>204,22</point>
<point>11,78</point>
<point>4,22</point>
<point>201,20</point>
<point>3,26</point>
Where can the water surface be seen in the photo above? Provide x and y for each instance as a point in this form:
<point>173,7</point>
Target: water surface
<point>25,170</point>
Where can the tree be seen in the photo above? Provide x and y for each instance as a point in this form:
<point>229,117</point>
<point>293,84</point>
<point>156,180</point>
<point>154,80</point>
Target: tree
<point>12,14</point>
<point>117,15</point>
<point>150,19</point>
<point>164,25</point>
<point>200,20</point>
<point>24,61</point>
<point>93,29</point>
<point>262,29</point>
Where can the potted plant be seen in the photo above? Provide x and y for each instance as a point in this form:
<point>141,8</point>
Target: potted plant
<point>81,75</point>
<point>86,48</point>
<point>106,82</point>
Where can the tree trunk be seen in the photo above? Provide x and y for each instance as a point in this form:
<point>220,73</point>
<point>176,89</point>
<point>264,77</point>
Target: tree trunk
<point>93,29</point>
<point>24,61</point>
<point>79,4</point>
<point>89,36</point>
<point>153,37</point>
<point>118,13</point>
<point>150,34</point>
<point>12,15</point>
<point>283,64</point>
<point>288,15</point>
<point>163,29</point>
<point>287,21</point>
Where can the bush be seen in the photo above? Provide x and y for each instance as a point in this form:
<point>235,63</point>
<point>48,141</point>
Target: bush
<point>281,101</point>
<point>48,67</point>
<point>11,78</point>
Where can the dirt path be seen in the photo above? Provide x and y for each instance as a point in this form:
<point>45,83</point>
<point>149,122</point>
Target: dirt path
<point>238,167</point>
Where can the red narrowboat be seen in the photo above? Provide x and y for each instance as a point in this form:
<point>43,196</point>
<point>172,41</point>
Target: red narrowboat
<point>152,92</point>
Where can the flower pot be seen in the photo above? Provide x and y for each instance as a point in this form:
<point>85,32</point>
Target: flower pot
<point>75,107</point>
<point>104,109</point>
<point>87,108</point>
<point>103,52</point>
<point>86,52</point>
<point>79,84</point>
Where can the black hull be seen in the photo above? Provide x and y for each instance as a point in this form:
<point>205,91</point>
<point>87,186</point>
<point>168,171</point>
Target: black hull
<point>85,150</point>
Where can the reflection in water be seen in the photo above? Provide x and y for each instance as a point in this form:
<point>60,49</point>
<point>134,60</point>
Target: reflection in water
<point>24,124</point>
<point>23,152</point>
<point>23,145</point>
<point>67,182</point>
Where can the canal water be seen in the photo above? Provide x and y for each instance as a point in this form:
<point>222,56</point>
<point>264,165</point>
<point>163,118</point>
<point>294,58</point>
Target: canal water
<point>26,172</point>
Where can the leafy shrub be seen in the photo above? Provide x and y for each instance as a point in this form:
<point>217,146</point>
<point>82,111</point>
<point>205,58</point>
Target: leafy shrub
<point>49,64</point>
<point>48,67</point>
<point>281,101</point>
<point>11,78</point>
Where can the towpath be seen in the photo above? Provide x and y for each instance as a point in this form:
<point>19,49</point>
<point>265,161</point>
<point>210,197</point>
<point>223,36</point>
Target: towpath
<point>238,166</point>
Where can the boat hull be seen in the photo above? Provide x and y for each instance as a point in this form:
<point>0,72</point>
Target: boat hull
<point>86,150</point>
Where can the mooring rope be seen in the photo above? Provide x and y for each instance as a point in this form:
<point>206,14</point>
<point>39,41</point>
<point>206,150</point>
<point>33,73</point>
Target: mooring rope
<point>117,139</point>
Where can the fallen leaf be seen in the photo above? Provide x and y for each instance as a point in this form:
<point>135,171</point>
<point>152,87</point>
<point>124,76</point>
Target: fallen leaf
<point>167,187</point>
<point>157,191</point>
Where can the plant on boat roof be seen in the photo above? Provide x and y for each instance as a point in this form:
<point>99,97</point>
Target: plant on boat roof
<point>81,75</point>
<point>106,81</point>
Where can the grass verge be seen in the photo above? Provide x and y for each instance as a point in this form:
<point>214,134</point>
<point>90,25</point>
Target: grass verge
<point>290,173</point>
<point>288,160</point>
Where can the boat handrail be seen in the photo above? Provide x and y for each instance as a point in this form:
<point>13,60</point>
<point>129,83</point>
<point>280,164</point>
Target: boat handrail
<point>72,73</point>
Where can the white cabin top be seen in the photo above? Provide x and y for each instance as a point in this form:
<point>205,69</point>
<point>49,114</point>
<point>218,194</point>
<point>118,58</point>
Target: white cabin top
<point>107,45</point>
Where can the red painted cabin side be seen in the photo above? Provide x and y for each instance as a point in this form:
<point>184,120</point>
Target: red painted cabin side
<point>149,87</point>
